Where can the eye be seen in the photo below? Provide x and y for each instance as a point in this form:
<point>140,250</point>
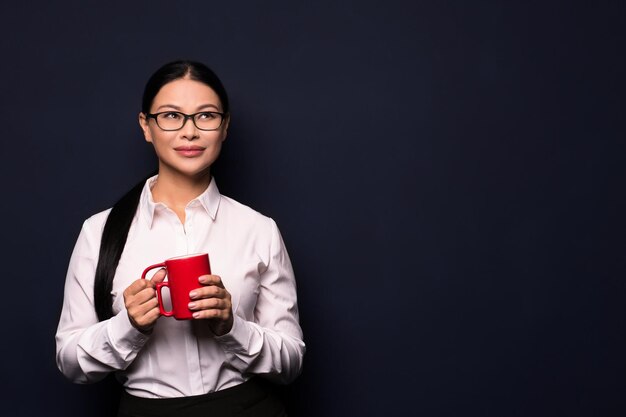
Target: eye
<point>207,115</point>
<point>171,115</point>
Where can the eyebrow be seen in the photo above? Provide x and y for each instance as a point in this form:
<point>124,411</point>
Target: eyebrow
<point>175,107</point>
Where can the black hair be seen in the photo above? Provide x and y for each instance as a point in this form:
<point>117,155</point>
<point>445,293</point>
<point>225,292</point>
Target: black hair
<point>121,216</point>
<point>182,69</point>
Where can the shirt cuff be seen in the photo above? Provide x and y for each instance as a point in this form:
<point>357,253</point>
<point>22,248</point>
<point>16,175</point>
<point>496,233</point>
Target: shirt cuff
<point>123,335</point>
<point>238,339</point>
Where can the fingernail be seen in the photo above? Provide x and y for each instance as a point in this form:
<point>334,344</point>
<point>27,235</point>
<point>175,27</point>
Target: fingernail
<point>193,294</point>
<point>196,315</point>
<point>192,305</point>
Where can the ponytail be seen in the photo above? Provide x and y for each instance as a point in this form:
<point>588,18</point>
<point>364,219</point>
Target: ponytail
<point>112,245</point>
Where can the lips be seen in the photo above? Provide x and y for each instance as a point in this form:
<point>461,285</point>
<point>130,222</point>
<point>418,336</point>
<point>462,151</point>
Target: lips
<point>189,148</point>
<point>189,151</point>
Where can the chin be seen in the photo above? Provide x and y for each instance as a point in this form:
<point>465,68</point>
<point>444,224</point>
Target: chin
<point>187,170</point>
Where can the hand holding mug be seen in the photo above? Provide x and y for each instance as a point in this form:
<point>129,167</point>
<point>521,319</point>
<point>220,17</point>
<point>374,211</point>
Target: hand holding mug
<point>141,302</point>
<point>182,278</point>
<point>195,293</point>
<point>212,302</point>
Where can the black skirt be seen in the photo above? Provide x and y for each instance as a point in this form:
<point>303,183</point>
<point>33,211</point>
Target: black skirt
<point>253,398</point>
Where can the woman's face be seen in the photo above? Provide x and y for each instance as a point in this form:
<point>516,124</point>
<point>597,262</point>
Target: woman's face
<point>188,151</point>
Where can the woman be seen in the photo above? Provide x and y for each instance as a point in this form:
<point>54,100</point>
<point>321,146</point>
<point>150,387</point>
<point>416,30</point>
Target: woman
<point>245,322</point>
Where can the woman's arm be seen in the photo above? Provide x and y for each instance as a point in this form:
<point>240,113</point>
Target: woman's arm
<point>272,345</point>
<point>87,349</point>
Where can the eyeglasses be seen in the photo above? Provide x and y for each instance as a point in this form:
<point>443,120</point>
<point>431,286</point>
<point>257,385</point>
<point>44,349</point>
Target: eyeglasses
<point>175,120</point>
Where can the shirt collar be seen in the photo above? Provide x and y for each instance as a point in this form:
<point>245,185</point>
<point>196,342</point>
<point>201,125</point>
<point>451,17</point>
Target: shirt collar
<point>209,200</point>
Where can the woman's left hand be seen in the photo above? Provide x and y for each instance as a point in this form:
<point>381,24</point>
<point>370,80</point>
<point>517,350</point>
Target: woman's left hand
<point>212,302</point>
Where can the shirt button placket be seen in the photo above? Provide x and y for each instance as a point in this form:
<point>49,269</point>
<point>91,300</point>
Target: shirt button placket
<point>193,361</point>
<point>181,239</point>
<point>189,230</point>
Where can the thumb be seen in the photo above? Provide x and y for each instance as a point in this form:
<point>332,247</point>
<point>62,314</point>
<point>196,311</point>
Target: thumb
<point>159,276</point>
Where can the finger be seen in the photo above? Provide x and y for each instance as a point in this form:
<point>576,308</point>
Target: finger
<point>147,320</point>
<point>151,315</point>
<point>211,314</point>
<point>208,292</point>
<point>140,311</point>
<point>159,276</point>
<point>142,295</point>
<point>211,280</point>
<point>136,286</point>
<point>140,284</point>
<point>209,304</point>
<point>139,307</point>
<point>145,296</point>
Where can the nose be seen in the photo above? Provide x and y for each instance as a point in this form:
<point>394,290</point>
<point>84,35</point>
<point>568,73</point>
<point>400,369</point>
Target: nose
<point>189,130</point>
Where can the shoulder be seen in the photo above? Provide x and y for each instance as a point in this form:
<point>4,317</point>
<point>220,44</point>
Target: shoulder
<point>234,211</point>
<point>94,224</point>
<point>252,229</point>
<point>231,207</point>
<point>98,219</point>
<point>88,242</point>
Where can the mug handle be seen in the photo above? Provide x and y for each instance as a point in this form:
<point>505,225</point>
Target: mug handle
<point>161,265</point>
<point>158,289</point>
<point>160,299</point>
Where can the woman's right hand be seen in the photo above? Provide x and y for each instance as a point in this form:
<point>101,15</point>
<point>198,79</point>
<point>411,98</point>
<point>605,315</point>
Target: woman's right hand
<point>141,302</point>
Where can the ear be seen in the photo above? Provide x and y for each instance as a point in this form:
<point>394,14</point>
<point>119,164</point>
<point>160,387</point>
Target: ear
<point>143,123</point>
<point>225,127</point>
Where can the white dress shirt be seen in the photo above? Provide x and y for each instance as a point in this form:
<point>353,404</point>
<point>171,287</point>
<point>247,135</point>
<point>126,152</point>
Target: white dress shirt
<point>183,358</point>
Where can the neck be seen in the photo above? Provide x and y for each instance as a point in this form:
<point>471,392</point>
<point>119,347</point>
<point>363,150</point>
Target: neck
<point>176,190</point>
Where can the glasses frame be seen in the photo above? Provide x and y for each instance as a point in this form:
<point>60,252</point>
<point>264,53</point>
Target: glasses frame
<point>186,117</point>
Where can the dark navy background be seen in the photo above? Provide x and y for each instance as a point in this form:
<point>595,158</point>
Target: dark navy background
<point>448,178</point>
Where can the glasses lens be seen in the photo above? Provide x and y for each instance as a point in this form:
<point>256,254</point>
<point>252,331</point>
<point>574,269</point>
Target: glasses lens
<point>208,120</point>
<point>170,120</point>
<point>174,120</point>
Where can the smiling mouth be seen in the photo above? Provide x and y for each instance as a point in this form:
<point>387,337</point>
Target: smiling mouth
<point>189,151</point>
<point>189,148</point>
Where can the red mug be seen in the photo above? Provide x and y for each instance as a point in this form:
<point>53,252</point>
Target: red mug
<point>182,278</point>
